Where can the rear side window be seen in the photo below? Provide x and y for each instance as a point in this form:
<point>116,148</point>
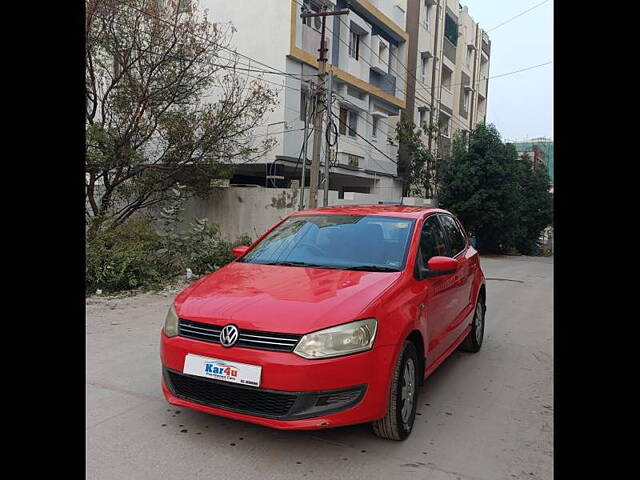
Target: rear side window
<point>457,242</point>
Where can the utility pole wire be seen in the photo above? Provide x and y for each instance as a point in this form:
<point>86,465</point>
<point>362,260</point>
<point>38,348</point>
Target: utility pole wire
<point>519,15</point>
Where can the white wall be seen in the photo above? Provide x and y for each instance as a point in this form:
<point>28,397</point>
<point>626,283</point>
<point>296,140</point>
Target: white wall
<point>253,210</point>
<point>262,32</point>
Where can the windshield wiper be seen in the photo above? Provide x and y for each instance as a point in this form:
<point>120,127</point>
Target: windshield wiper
<point>297,264</point>
<point>372,268</point>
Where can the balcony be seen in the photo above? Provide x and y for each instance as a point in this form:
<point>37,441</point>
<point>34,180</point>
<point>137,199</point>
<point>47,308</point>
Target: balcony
<point>447,98</point>
<point>449,50</point>
<point>486,44</point>
<point>384,81</point>
<point>380,62</point>
<point>483,86</point>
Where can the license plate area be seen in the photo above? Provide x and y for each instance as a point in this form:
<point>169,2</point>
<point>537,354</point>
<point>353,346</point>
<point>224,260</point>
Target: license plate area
<point>223,370</point>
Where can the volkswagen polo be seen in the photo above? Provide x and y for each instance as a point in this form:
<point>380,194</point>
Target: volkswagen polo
<point>333,317</point>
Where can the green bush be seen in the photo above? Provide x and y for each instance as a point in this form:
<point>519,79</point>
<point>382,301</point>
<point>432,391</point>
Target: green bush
<point>201,249</point>
<point>133,255</point>
<point>122,258</point>
<point>141,253</point>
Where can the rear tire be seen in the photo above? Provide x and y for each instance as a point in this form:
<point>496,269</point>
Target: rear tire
<point>473,342</point>
<point>401,413</point>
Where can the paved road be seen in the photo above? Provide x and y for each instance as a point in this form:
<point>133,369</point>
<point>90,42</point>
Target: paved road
<point>486,416</point>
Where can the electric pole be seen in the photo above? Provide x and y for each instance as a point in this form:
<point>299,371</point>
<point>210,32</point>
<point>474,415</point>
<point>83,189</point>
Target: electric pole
<point>327,155</point>
<point>304,153</point>
<point>317,119</point>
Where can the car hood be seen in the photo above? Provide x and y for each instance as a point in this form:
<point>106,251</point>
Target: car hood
<point>280,298</point>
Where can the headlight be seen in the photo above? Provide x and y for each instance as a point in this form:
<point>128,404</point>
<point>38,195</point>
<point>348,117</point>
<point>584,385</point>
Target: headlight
<point>171,323</point>
<point>341,340</point>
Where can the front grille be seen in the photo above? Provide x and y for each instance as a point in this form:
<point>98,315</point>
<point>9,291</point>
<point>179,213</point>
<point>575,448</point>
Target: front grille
<point>280,342</point>
<point>232,397</point>
<point>261,402</point>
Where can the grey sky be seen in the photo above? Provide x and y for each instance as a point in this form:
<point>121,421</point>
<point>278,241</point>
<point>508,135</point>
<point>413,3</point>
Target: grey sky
<point>520,105</point>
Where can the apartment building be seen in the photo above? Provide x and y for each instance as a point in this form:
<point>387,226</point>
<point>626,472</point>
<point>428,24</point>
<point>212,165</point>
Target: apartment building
<point>367,53</point>
<point>450,54</point>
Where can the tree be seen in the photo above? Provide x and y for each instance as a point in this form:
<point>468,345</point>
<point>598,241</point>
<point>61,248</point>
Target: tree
<point>501,199</point>
<point>416,165</point>
<point>536,204</point>
<point>478,183</point>
<point>164,105</point>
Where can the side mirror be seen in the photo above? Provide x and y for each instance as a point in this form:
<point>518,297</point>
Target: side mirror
<point>437,266</point>
<point>240,251</point>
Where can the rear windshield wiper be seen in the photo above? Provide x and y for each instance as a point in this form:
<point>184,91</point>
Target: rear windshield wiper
<point>372,268</point>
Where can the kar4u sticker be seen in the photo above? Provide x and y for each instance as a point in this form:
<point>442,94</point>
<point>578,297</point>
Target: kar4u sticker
<point>219,368</point>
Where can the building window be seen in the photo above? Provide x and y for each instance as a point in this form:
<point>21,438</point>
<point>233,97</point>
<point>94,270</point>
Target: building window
<point>444,126</point>
<point>393,58</point>
<point>469,56</point>
<point>423,117</point>
<point>382,53</point>
<point>446,77</point>
<point>353,123</point>
<point>374,128</point>
<point>451,29</point>
<point>342,127</point>
<point>465,99</point>
<point>354,45</point>
<point>427,16</point>
<point>348,122</point>
<point>425,65</point>
<point>313,22</point>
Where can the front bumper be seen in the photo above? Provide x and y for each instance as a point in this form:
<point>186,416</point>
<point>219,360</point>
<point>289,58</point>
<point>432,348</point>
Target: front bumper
<point>283,373</point>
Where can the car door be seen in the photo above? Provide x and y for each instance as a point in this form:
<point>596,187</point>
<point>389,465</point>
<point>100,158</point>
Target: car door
<point>458,249</point>
<point>437,302</point>
<point>472,263</point>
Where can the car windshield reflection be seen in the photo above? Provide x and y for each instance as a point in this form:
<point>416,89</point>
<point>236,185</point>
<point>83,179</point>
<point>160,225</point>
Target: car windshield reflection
<point>344,242</point>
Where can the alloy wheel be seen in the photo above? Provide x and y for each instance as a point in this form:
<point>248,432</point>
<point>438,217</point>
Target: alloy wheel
<point>479,320</point>
<point>407,394</point>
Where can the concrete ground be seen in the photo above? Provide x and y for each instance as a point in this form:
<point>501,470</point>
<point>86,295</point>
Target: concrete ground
<point>482,416</point>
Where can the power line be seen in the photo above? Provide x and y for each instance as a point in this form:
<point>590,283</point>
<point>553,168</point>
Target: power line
<point>277,133</point>
<point>371,144</point>
<point>518,71</point>
<point>519,15</point>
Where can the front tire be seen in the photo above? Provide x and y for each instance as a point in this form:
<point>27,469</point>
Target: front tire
<point>401,413</point>
<point>473,342</point>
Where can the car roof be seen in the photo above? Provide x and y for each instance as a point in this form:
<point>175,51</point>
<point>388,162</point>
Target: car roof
<point>401,211</point>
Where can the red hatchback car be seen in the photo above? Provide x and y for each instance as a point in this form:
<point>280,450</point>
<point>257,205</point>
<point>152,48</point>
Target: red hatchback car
<point>334,317</point>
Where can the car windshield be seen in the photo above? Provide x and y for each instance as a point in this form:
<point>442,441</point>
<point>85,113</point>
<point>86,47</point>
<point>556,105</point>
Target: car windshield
<point>349,242</point>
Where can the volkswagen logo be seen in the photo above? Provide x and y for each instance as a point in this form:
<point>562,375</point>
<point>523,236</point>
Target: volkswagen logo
<point>229,336</point>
